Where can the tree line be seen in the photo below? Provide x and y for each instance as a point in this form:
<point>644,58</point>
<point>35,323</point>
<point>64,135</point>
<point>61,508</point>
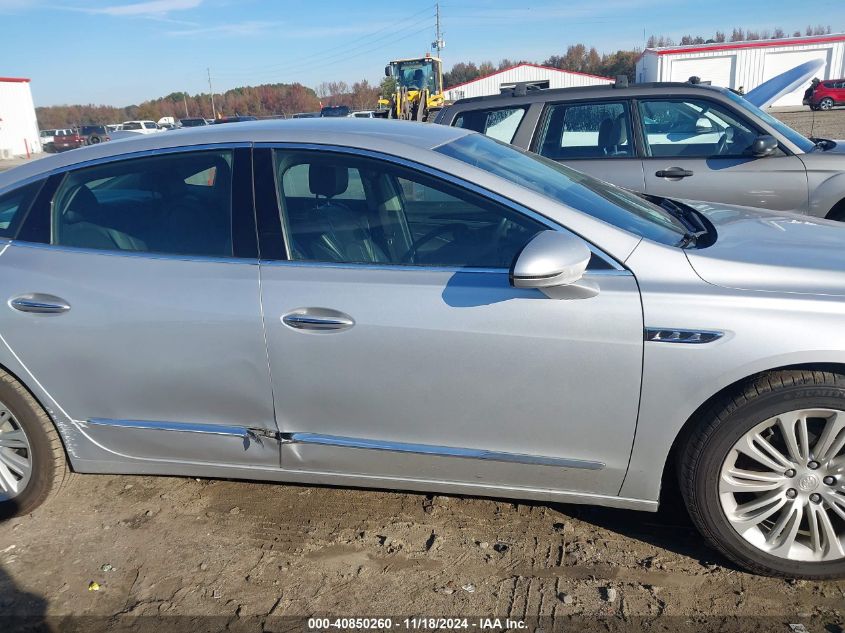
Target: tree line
<point>264,100</point>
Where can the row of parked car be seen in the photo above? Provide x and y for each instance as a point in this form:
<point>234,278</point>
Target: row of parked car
<point>59,140</point>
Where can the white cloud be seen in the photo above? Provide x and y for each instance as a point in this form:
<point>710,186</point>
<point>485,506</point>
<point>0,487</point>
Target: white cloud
<point>252,27</point>
<point>146,9</point>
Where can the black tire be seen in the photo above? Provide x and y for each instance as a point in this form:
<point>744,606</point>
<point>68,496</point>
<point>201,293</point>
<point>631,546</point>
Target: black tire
<point>826,104</point>
<point>94,139</point>
<point>50,468</point>
<point>720,427</point>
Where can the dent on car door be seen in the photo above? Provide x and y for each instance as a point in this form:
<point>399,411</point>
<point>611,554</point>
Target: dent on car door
<point>400,351</point>
<point>593,137</point>
<point>131,295</point>
<point>700,150</point>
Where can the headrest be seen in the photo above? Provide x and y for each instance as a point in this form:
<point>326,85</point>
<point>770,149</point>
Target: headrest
<point>82,205</point>
<point>327,180</point>
<point>605,132</point>
<point>619,134</point>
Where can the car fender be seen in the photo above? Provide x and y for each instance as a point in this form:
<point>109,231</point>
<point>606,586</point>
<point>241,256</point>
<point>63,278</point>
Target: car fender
<point>757,333</point>
<point>826,184</point>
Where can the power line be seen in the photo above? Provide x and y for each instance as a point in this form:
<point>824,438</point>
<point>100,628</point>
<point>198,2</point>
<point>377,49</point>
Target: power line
<point>393,37</point>
<point>345,46</point>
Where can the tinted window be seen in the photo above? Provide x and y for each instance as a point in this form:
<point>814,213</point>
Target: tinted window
<point>500,124</point>
<point>346,209</point>
<point>586,130</point>
<point>13,206</point>
<point>132,125</point>
<point>176,204</point>
<point>601,200</point>
<point>693,128</point>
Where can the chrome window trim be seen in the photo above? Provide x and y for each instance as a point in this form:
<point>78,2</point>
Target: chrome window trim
<point>136,254</point>
<point>438,451</point>
<point>422,268</point>
<point>435,173</point>
<point>120,157</point>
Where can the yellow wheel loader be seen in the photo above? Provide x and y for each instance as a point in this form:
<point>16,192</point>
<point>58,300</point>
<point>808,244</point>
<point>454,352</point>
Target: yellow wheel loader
<point>419,89</point>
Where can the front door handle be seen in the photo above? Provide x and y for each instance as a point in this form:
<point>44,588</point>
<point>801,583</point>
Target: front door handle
<point>318,320</point>
<point>39,303</point>
<point>673,172</point>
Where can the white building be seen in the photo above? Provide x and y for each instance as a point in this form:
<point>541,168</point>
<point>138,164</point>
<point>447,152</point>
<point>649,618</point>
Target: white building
<point>540,76</point>
<point>744,64</point>
<point>18,125</point>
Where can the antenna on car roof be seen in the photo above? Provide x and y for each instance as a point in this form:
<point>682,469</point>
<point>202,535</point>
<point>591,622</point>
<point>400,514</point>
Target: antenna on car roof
<point>621,81</point>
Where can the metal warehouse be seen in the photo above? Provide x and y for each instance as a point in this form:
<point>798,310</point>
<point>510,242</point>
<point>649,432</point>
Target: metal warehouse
<point>744,64</point>
<point>540,76</point>
<point>18,125</point>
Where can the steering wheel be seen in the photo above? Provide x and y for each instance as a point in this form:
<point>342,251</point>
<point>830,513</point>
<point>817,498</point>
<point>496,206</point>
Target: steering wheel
<point>455,228</point>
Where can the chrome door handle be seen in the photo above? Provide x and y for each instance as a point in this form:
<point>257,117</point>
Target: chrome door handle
<point>317,319</point>
<point>39,303</point>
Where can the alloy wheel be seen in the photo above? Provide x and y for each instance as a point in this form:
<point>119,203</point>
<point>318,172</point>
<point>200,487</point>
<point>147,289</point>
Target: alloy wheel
<point>15,456</point>
<point>782,485</point>
<point>826,104</point>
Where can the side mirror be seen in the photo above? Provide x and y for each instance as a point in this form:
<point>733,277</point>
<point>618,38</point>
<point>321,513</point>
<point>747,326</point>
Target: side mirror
<point>554,262</point>
<point>388,71</point>
<point>703,125</point>
<point>764,145</point>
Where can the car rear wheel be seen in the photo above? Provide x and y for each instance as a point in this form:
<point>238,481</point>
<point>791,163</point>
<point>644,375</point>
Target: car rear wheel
<point>826,103</point>
<point>32,459</point>
<point>764,475</point>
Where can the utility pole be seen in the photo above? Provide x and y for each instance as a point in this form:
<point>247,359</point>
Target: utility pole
<point>211,90</point>
<point>185,101</point>
<point>438,44</point>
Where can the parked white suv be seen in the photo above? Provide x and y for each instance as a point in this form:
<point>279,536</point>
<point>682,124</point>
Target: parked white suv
<point>130,129</point>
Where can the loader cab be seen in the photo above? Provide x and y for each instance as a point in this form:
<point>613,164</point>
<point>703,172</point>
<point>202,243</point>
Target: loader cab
<point>417,74</point>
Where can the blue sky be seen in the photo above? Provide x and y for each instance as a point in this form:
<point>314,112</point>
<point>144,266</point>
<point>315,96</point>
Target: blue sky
<point>119,53</point>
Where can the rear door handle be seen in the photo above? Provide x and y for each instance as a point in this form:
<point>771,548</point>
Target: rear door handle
<point>318,320</point>
<point>673,172</point>
<point>39,303</point>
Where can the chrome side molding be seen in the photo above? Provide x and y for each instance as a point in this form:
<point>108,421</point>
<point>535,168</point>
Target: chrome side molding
<point>438,451</point>
<point>676,335</point>
<point>184,427</point>
<point>246,434</point>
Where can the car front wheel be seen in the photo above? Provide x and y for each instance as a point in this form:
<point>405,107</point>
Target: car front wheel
<point>826,103</point>
<point>763,475</point>
<point>32,459</point>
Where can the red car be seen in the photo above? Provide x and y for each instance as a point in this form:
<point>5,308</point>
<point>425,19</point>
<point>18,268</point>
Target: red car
<point>826,94</point>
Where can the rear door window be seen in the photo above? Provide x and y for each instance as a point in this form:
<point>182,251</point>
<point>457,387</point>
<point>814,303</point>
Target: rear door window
<point>500,124</point>
<point>586,130</point>
<point>13,206</point>
<point>179,204</point>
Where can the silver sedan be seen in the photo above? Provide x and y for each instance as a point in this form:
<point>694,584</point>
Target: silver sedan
<point>411,306</point>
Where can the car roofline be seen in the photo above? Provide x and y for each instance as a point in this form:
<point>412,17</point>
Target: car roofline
<point>544,94</point>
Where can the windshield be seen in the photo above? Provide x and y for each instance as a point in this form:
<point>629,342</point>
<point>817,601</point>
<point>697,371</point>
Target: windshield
<point>601,200</point>
<point>415,75</point>
<point>799,140</point>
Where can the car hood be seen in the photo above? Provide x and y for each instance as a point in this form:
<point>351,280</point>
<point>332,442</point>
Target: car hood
<point>771,251</point>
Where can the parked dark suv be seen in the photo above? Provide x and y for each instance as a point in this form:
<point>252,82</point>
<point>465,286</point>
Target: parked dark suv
<point>675,140</point>
<point>93,134</point>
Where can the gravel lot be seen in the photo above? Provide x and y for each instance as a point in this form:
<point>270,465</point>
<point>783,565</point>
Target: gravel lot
<point>248,556</point>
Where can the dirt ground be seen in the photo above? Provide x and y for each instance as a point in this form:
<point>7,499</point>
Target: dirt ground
<point>214,555</point>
